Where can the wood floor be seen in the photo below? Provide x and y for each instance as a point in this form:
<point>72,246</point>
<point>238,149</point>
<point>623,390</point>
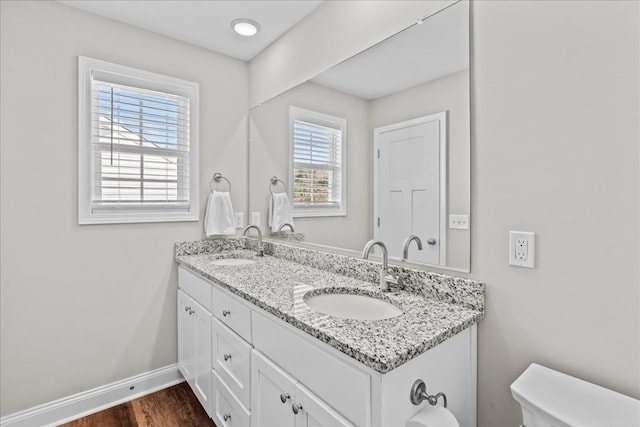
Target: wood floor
<point>175,406</point>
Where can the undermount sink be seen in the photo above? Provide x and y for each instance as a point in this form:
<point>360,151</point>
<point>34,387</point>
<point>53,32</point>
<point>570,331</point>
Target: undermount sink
<point>351,306</point>
<point>233,261</point>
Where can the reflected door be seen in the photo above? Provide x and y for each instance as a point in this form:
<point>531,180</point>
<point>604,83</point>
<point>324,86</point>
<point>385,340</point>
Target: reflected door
<point>409,193</point>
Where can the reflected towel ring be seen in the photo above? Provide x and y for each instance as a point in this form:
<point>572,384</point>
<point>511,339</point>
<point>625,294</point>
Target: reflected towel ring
<point>275,181</point>
<point>217,177</point>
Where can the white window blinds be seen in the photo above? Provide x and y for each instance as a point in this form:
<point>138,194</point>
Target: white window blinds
<point>318,164</point>
<point>138,148</point>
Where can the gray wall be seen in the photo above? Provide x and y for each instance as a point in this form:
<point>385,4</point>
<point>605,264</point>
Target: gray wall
<point>84,306</point>
<point>555,134</point>
<point>555,151</point>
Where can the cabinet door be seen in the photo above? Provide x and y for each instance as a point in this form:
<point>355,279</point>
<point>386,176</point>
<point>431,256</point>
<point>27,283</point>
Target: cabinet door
<point>272,394</point>
<point>186,338</point>
<point>202,381</point>
<point>313,412</point>
<point>194,347</point>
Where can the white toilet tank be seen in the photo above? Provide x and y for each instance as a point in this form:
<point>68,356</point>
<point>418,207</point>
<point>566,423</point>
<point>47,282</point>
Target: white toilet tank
<point>552,399</point>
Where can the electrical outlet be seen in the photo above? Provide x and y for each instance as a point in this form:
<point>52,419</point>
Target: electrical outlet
<point>240,220</point>
<point>522,248</point>
<point>255,218</point>
<point>459,222</point>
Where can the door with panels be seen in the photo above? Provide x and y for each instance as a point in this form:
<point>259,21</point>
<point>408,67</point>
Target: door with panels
<point>410,186</point>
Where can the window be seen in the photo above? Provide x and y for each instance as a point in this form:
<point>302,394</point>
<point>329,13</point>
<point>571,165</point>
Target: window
<point>318,164</point>
<point>138,145</point>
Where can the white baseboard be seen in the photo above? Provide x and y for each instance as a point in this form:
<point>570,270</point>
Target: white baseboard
<point>82,404</point>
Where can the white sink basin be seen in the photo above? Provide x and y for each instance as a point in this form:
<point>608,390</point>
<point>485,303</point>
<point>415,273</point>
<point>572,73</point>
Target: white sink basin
<point>359,307</point>
<point>233,261</point>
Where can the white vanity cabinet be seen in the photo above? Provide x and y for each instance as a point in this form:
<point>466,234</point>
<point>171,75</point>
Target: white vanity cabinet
<point>194,347</point>
<point>248,367</point>
<point>279,400</point>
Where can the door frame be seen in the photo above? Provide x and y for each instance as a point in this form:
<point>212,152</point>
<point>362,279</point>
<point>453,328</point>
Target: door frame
<point>441,118</point>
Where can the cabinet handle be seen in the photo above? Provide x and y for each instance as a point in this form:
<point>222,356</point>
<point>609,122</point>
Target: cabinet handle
<point>284,397</point>
<point>187,308</point>
<point>227,357</point>
<point>226,417</point>
<point>296,408</point>
<point>431,241</point>
<point>225,313</point>
<point>191,312</point>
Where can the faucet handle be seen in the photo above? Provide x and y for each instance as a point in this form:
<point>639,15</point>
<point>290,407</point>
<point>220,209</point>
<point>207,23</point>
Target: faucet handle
<point>396,280</point>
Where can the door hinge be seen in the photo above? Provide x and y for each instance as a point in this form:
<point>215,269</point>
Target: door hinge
<point>378,153</point>
<point>378,221</point>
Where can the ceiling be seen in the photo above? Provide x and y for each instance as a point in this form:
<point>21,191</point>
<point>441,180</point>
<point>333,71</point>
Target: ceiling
<point>419,54</point>
<point>206,23</point>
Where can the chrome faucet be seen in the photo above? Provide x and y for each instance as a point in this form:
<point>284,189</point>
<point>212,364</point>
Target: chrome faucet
<point>260,249</point>
<point>286,224</point>
<point>407,242</point>
<point>385,276</point>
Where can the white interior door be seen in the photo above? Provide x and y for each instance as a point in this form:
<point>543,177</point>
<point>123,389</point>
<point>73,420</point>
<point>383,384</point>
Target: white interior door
<point>410,178</point>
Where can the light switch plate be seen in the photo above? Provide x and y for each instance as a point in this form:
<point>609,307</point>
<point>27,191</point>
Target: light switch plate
<point>241,219</point>
<point>459,222</point>
<point>522,248</point>
<point>255,218</point>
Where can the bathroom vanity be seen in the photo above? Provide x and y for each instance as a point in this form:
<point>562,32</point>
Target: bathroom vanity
<point>255,353</point>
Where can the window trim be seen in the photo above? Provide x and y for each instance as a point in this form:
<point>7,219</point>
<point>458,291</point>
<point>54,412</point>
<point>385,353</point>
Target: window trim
<point>296,113</point>
<point>89,67</point>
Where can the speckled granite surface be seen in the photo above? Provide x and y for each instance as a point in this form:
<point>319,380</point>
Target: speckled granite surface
<point>287,235</point>
<point>278,285</point>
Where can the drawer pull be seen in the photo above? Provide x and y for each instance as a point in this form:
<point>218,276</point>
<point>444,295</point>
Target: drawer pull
<point>284,397</point>
<point>296,408</point>
<point>225,313</point>
<point>226,417</point>
<point>227,357</point>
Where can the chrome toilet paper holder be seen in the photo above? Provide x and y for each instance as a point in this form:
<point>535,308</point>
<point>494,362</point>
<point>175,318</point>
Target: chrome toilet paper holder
<point>419,394</point>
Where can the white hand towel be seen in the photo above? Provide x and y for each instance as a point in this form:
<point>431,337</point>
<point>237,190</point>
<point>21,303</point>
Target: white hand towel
<point>279,211</point>
<point>219,218</point>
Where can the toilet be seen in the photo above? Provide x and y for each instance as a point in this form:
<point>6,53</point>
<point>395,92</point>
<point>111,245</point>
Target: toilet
<point>550,398</point>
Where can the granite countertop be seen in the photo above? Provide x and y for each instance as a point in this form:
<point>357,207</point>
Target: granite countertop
<point>278,286</point>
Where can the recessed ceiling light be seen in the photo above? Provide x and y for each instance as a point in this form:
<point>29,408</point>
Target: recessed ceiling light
<point>245,27</point>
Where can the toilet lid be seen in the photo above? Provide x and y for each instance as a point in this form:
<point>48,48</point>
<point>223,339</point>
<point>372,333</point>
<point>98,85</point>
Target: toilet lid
<point>572,401</point>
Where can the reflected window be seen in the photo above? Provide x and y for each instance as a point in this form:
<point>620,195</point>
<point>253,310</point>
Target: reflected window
<point>317,163</point>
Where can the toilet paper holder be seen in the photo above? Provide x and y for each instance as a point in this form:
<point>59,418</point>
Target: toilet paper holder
<point>419,394</point>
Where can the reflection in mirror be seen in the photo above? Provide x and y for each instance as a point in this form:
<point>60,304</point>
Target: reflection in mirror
<point>377,147</point>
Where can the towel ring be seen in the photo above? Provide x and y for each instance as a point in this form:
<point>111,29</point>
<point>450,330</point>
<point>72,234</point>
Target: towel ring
<point>275,181</point>
<point>217,177</point>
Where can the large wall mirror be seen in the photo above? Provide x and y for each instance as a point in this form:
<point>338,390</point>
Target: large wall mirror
<point>376,147</point>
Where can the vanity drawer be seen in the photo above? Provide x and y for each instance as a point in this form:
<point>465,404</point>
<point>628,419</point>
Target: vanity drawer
<point>231,311</point>
<point>231,360</point>
<point>342,385</point>
<point>198,288</point>
<point>225,405</point>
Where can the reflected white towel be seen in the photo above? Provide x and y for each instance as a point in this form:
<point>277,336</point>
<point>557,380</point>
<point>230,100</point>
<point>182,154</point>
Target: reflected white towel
<point>279,211</point>
<point>219,218</point>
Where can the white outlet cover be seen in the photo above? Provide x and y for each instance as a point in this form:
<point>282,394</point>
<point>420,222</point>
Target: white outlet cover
<point>522,248</point>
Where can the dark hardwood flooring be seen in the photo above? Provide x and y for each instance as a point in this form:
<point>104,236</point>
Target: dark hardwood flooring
<point>175,406</point>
